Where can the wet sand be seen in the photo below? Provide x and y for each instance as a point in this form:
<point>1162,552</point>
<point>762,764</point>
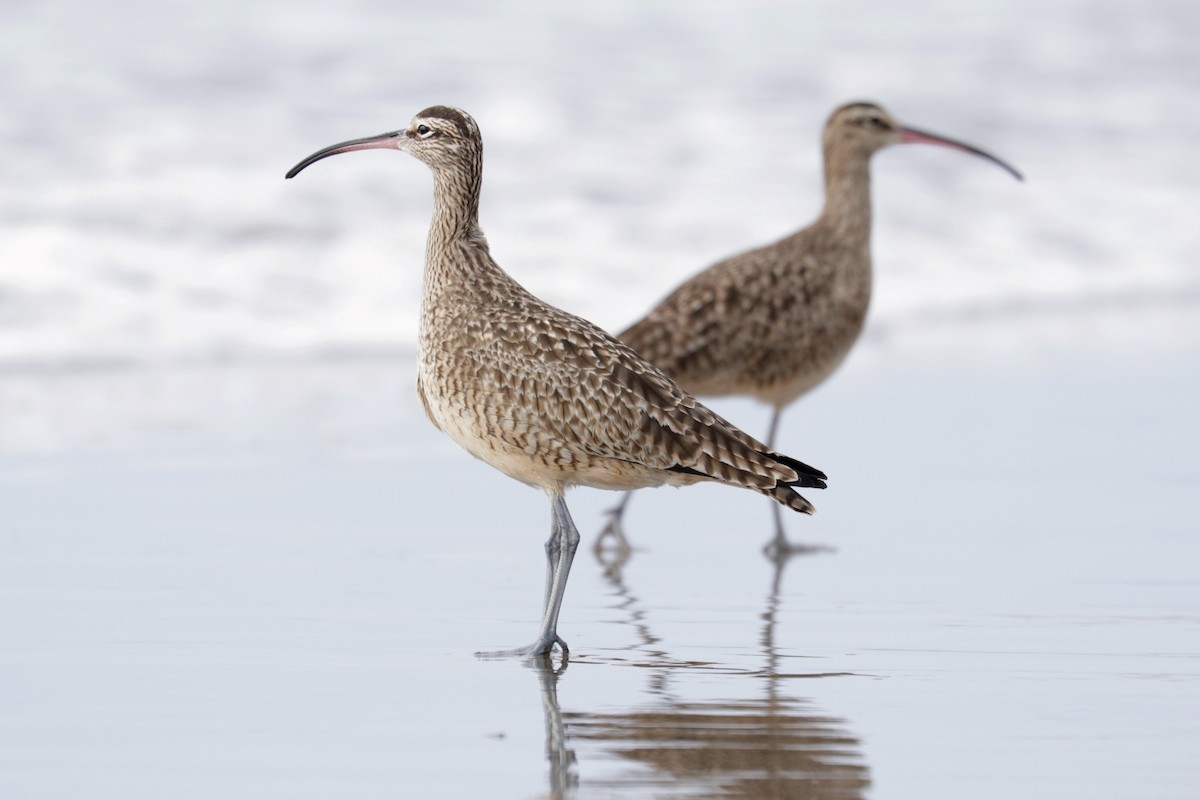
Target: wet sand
<point>270,580</point>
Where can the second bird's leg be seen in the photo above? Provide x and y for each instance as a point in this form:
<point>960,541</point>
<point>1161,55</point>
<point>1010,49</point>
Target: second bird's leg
<point>773,429</point>
<point>779,544</point>
<point>779,547</point>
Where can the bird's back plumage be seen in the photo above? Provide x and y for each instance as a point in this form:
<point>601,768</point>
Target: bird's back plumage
<point>549,397</point>
<point>771,322</point>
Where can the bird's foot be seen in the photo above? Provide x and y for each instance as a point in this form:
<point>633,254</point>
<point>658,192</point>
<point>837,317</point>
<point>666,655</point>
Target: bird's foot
<point>544,663</point>
<point>542,646</point>
<point>780,549</point>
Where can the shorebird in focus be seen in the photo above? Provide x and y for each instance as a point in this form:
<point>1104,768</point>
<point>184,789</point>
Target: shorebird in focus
<point>774,322</point>
<point>543,396</point>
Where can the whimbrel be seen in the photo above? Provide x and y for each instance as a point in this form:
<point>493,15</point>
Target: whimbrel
<point>543,396</point>
<point>774,322</point>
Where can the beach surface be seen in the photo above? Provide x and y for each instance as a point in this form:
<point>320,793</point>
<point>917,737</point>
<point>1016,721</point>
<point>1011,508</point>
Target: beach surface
<point>277,586</point>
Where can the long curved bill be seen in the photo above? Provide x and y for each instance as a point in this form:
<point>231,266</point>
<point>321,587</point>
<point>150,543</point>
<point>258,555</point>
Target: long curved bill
<point>914,136</point>
<point>390,141</point>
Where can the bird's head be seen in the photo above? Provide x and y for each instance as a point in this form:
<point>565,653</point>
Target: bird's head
<point>867,127</point>
<point>441,136</point>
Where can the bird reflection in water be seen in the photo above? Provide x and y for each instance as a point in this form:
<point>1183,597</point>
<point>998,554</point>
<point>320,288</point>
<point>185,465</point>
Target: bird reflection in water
<point>767,748</point>
<point>564,778</point>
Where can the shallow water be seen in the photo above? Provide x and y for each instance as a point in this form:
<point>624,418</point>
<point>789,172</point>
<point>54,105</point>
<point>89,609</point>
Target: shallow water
<point>277,585</point>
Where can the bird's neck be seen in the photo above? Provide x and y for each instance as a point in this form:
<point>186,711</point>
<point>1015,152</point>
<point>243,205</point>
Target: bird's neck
<point>456,252</point>
<point>847,212</point>
<point>456,203</point>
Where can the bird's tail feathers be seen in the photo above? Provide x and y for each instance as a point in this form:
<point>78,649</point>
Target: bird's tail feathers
<point>784,494</point>
<point>810,477</point>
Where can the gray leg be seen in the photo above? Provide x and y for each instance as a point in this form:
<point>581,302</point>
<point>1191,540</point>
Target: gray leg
<point>560,552</point>
<point>778,545</point>
<point>773,429</point>
<point>553,549</point>
<point>569,543</point>
<point>779,549</point>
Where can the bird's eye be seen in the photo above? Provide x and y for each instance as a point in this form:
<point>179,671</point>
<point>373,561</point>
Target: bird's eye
<point>874,122</point>
<point>424,131</point>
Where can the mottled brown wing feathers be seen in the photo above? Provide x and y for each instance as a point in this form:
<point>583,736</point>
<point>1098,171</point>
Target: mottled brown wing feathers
<point>617,405</point>
<point>711,331</point>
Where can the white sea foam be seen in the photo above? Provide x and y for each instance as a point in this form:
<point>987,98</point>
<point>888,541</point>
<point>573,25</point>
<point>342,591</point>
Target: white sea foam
<point>144,215</point>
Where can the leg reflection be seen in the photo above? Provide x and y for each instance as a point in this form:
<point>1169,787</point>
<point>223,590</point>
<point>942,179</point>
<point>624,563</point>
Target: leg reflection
<point>564,779</point>
<point>614,530</point>
<point>763,743</point>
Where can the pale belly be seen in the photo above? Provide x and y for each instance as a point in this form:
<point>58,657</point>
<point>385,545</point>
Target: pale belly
<point>776,378</point>
<point>532,457</point>
<point>805,378</point>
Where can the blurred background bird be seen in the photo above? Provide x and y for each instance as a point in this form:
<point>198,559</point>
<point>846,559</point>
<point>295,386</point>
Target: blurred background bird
<point>774,322</point>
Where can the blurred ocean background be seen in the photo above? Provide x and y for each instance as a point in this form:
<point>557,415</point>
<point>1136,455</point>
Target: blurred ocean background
<point>145,217</point>
<point>145,222</point>
<point>233,551</point>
